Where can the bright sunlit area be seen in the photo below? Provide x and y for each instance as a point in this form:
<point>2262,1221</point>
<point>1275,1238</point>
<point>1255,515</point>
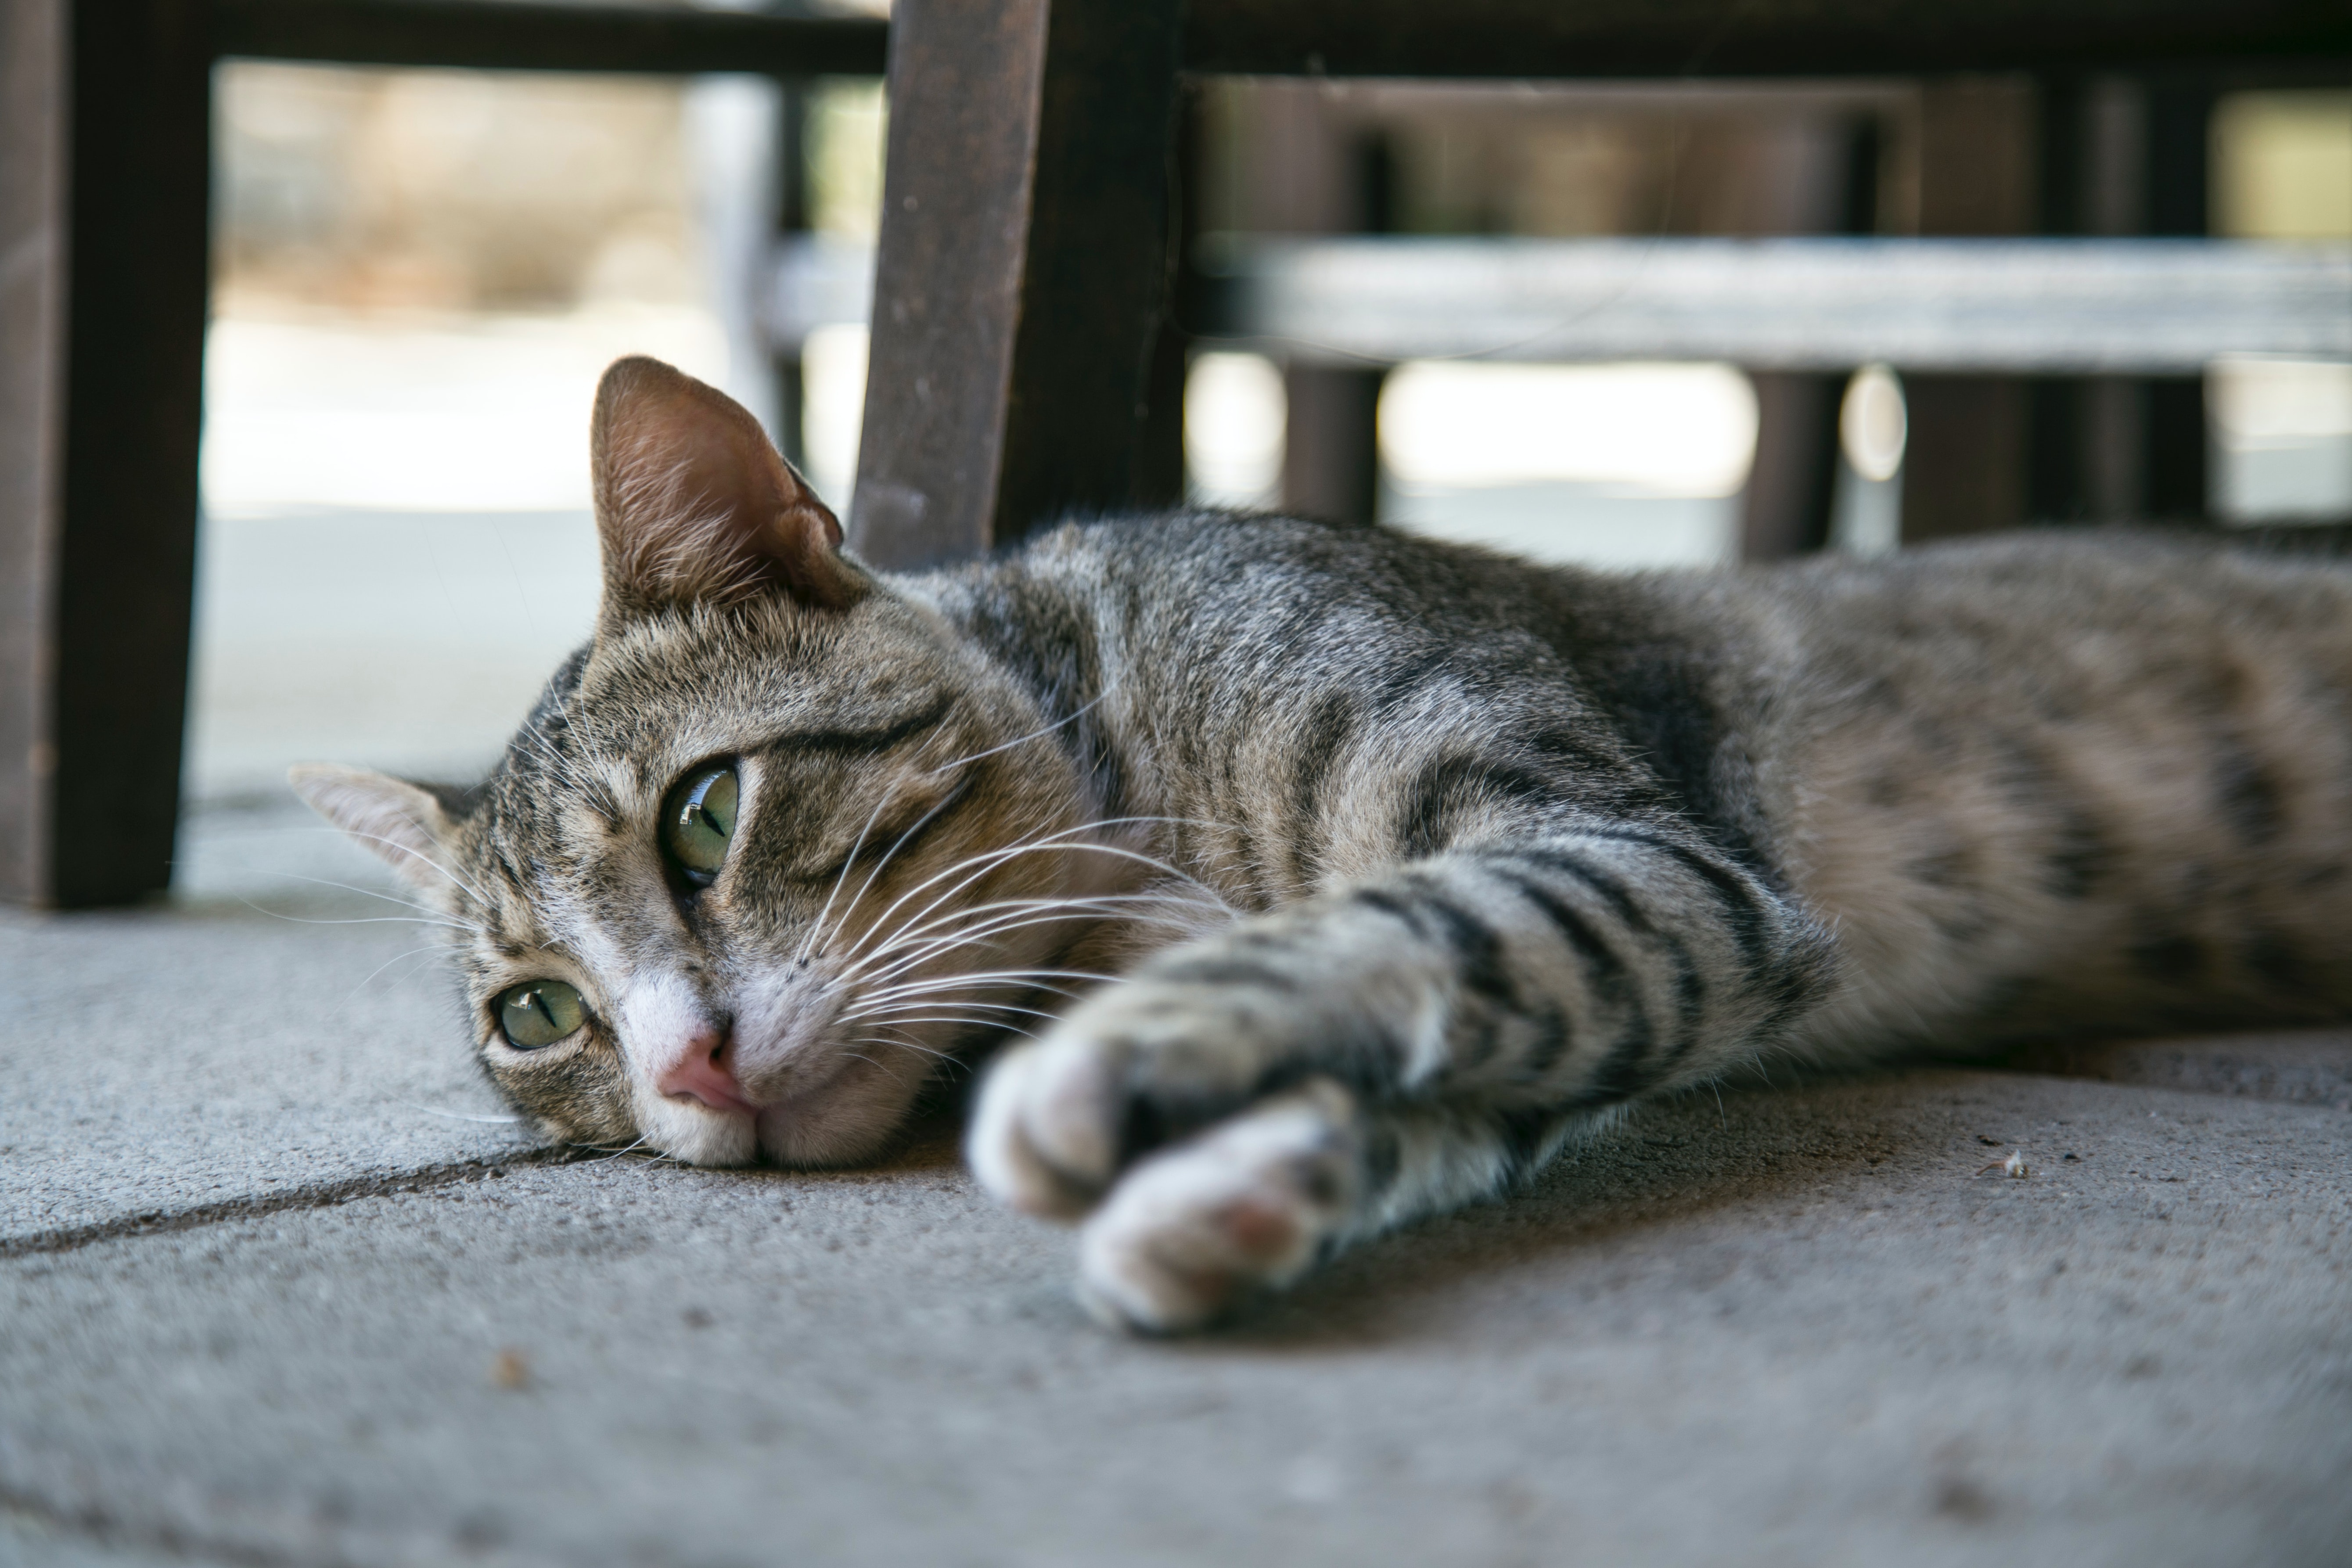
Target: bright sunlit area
<point>1605,465</point>
<point>2283,428</point>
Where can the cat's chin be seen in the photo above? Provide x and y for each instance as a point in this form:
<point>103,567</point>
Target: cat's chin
<point>847,1121</point>
<point>697,1135</point>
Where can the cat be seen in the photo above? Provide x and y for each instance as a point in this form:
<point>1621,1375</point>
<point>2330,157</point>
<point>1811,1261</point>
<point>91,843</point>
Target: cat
<point>1337,876</point>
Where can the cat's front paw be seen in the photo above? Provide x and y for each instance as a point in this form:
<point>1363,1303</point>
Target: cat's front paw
<point>1133,1068</point>
<point>1043,1136</point>
<point>1247,1207</point>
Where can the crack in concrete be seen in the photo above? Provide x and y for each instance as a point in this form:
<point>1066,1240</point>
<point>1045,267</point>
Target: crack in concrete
<point>95,1527</point>
<point>325,1195</point>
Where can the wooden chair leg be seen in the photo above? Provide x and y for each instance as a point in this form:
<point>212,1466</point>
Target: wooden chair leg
<point>2179,123</point>
<point>1023,272</point>
<point>1792,484</point>
<point>1817,178</point>
<point>1964,467</point>
<point>1331,448</point>
<point>105,109</point>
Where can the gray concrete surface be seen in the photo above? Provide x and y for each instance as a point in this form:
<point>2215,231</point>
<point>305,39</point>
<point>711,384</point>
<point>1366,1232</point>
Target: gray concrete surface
<point>225,1052</point>
<point>257,1307</point>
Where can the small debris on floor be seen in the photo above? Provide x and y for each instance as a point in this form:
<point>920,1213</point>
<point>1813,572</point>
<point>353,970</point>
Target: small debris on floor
<point>2014,1165</point>
<point>510,1370</point>
<point>1993,1142</point>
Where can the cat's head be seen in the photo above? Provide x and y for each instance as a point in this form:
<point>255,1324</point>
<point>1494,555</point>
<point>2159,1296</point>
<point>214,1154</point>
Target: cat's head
<point>757,857</point>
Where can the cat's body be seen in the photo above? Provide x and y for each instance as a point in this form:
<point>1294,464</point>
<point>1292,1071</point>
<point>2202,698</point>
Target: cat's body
<point>1419,862</point>
<point>2034,784</point>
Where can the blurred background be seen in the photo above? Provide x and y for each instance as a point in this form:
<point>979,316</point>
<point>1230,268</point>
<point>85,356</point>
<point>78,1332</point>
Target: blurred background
<point>418,276</point>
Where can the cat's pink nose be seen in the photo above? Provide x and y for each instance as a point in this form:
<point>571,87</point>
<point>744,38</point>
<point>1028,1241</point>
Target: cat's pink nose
<point>702,1072</point>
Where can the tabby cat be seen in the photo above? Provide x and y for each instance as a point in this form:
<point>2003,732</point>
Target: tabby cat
<point>1414,864</point>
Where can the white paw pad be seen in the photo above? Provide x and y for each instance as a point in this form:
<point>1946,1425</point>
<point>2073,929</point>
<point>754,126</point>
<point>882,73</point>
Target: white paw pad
<point>1245,1206</point>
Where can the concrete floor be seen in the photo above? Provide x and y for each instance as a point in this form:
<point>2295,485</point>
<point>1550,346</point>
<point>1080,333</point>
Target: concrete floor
<point>266,1298</point>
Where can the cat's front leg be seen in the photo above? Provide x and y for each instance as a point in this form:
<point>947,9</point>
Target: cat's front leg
<point>1257,1201</point>
<point>1248,1204</point>
<point>1248,1104</point>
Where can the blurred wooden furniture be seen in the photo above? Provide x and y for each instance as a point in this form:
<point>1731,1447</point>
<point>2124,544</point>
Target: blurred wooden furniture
<point>1026,262</point>
<point>1025,362</point>
<point>105,116</point>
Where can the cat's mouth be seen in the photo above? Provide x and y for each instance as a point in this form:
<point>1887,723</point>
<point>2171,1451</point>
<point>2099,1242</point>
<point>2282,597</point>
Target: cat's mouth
<point>805,1126</point>
<point>790,1095</point>
<point>742,1125</point>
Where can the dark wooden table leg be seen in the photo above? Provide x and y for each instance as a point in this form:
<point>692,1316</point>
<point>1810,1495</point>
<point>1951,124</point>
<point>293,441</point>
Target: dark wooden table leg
<point>795,101</point>
<point>1304,162</point>
<point>1816,177</point>
<point>2180,118</point>
<point>1964,465</point>
<point>104,148</point>
<point>1023,271</point>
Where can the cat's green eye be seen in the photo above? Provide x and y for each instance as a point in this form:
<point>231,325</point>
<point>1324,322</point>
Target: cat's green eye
<point>539,1013</point>
<point>697,821</point>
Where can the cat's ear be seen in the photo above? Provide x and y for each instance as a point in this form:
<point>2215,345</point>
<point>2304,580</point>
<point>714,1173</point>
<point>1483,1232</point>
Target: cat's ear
<point>694,505</point>
<point>402,824</point>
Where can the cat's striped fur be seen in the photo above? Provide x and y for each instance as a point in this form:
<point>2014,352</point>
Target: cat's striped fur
<point>1419,862</point>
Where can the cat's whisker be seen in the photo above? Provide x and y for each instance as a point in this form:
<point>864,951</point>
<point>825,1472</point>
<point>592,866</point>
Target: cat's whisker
<point>895,1035</point>
<point>457,1115</point>
<point>903,1006</point>
<point>915,927</point>
<point>995,976</point>
<point>387,964</point>
<point>360,920</point>
<point>990,939</point>
<point>430,914</point>
<point>906,1007</point>
<point>427,861</point>
<point>908,1004</point>
<point>600,797</point>
<point>922,822</point>
<point>1100,698</point>
<point>988,860</point>
<point>972,1023</point>
<point>963,1029</point>
<point>891,1037</point>
<point>953,988</point>
<point>549,754</point>
<point>1009,975</point>
<point>997,914</point>
<point>611,1154</point>
<point>911,946</point>
<point>914,1046</point>
<point>343,833</point>
<point>1056,912</point>
<point>899,1046</point>
<point>882,919</point>
<point>816,927</point>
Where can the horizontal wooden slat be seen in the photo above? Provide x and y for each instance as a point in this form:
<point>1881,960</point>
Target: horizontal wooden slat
<point>2123,307</point>
<point>1530,38</point>
<point>2136,307</point>
<point>502,35</point>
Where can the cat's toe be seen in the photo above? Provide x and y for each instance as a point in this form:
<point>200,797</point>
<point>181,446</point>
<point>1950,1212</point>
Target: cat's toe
<point>1044,1137</point>
<point>1197,1229</point>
